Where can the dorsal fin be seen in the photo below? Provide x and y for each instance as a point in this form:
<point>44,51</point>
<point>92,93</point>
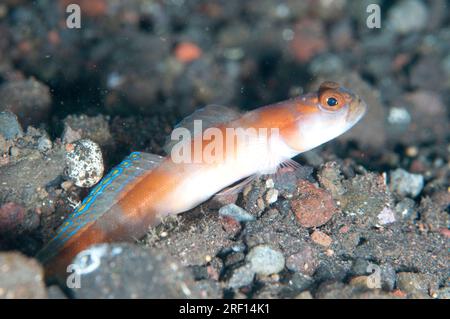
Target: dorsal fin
<point>101,198</point>
<point>210,115</point>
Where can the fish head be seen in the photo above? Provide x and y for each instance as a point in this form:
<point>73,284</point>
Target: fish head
<point>324,115</point>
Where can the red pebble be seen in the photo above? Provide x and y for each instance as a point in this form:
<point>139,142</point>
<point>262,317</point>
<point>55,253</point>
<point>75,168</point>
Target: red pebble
<point>314,206</point>
<point>230,225</point>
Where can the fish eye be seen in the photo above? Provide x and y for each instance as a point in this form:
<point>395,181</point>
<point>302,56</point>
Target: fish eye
<point>331,101</point>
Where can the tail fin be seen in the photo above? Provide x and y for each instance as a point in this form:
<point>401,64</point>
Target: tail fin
<point>100,200</point>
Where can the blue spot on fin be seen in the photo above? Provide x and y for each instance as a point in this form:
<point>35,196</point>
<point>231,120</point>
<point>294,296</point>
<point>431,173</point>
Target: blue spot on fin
<point>101,198</point>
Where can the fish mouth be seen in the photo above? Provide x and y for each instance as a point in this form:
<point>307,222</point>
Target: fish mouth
<point>357,110</point>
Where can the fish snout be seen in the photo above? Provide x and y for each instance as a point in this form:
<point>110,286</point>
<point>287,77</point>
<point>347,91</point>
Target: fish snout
<point>357,109</point>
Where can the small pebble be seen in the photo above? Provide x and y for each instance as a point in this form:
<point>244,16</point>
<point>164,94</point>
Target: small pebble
<point>84,163</point>
<point>29,99</point>
<point>126,271</point>
<point>405,209</point>
<point>314,206</point>
<point>399,116</point>
<point>406,184</point>
<point>242,276</point>
<point>66,185</point>
<point>44,144</point>
<point>231,225</point>
<point>330,178</point>
<point>388,277</point>
<point>344,229</point>
<point>94,128</point>
<point>387,216</point>
<point>270,183</point>
<point>300,282</point>
<point>304,261</point>
<point>70,135</point>
<point>21,277</point>
<point>412,151</point>
<point>329,252</point>
<point>271,196</point>
<point>9,126</point>
<point>260,204</point>
<point>219,200</point>
<point>360,266</point>
<point>326,64</point>
<point>408,16</point>
<point>359,281</point>
<point>397,293</point>
<point>235,212</point>
<point>321,238</point>
<point>309,40</point>
<point>265,260</point>
<point>187,52</point>
<point>304,295</point>
<point>413,283</point>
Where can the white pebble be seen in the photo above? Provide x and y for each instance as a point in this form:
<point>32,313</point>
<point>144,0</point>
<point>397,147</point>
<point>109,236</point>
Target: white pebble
<point>408,16</point>
<point>399,115</point>
<point>265,260</point>
<point>236,212</point>
<point>271,196</point>
<point>84,163</point>
<point>386,216</point>
<point>270,183</point>
<point>406,184</point>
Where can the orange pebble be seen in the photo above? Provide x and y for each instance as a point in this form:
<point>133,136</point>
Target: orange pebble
<point>70,147</point>
<point>187,52</point>
<point>53,37</point>
<point>399,293</point>
<point>89,7</point>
